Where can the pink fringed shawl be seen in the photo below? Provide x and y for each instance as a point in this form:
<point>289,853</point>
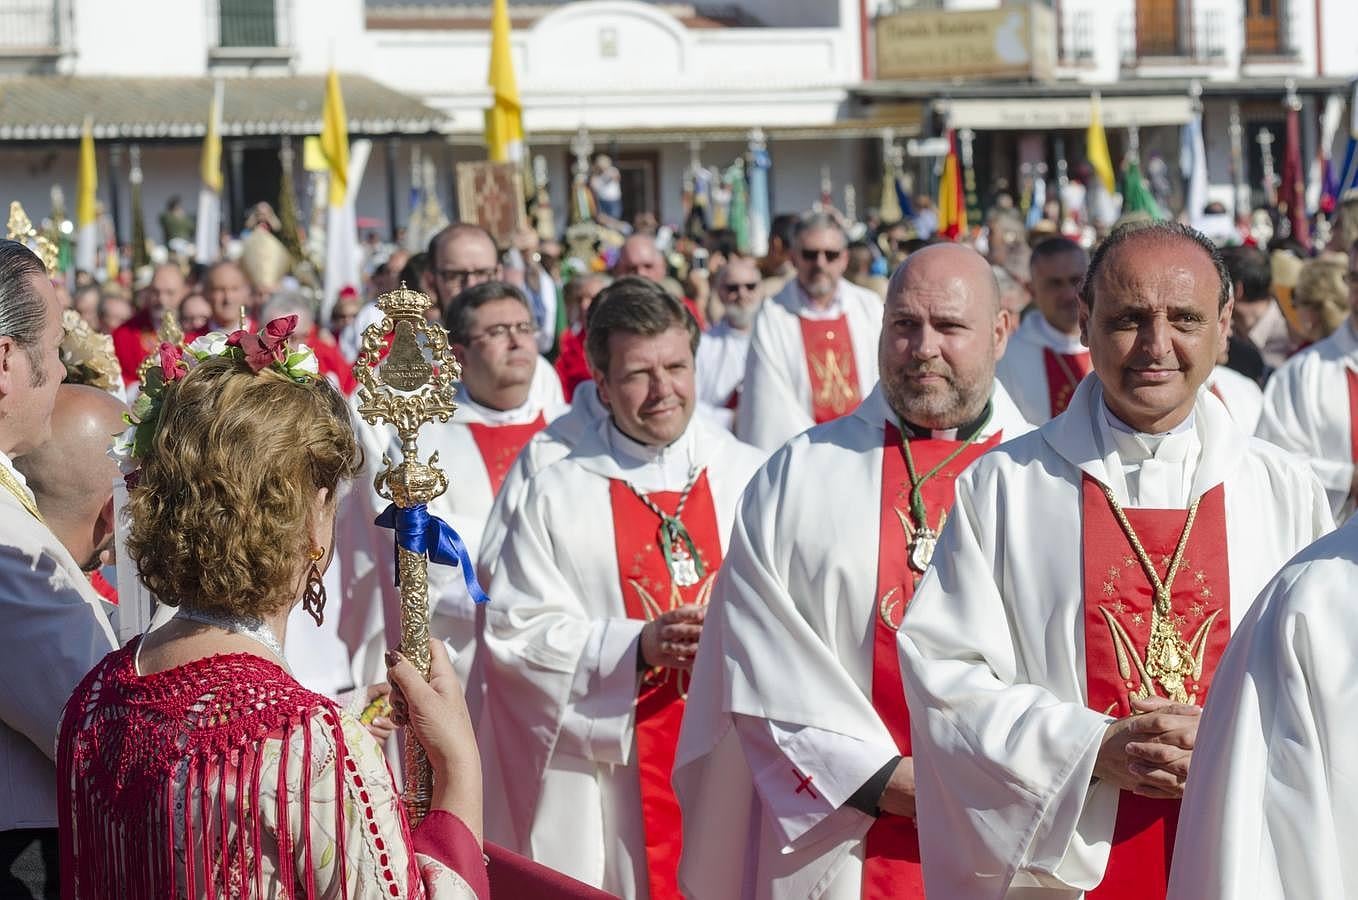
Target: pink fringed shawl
<point>137,754</point>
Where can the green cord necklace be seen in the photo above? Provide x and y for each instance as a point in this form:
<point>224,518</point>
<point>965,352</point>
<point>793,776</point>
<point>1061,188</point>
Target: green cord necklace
<point>925,539</point>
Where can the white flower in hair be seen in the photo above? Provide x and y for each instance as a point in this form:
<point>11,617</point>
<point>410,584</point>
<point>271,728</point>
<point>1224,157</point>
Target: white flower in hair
<point>121,450</point>
<point>211,344</point>
<point>302,361</point>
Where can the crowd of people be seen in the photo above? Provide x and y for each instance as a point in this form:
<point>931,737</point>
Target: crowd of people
<point>878,564</point>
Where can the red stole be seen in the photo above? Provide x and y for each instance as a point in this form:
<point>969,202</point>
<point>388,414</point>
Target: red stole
<point>500,446</point>
<point>648,591</point>
<point>1065,371</point>
<point>1117,621</point>
<point>1353,413</point>
<point>891,862</point>
<point>831,366</point>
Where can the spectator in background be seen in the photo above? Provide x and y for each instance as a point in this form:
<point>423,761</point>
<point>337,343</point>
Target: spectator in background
<point>722,351</point>
<point>1014,298</point>
<point>86,302</point>
<point>1256,315</point>
<point>1321,298</point>
<point>195,314</point>
<point>572,365</point>
<point>228,290</point>
<point>776,266</point>
<point>175,224</point>
<point>859,271</point>
<point>114,310</point>
<point>137,337</point>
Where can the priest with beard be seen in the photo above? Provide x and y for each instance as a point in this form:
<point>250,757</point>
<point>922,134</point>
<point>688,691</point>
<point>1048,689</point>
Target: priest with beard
<point>725,346</point>
<point>1057,654</point>
<point>598,607</point>
<point>794,771</point>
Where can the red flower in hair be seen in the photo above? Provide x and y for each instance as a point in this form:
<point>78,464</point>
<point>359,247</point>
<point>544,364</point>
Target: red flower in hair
<point>172,365</point>
<point>269,346</point>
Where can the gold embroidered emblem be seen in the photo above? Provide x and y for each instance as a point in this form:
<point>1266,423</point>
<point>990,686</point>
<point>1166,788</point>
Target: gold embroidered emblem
<point>835,392</point>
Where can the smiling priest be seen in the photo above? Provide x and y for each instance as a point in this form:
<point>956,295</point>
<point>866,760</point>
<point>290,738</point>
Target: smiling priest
<point>600,597</point>
<point>1057,655</point>
<point>794,770</point>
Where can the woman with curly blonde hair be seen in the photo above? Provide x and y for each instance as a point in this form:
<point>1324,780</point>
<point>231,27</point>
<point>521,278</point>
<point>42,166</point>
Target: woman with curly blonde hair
<point>1321,297</point>
<point>191,763</point>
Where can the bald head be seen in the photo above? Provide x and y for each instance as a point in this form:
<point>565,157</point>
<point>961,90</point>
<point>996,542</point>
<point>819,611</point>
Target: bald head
<point>640,256</point>
<point>72,476</point>
<point>941,335</point>
<point>947,266</point>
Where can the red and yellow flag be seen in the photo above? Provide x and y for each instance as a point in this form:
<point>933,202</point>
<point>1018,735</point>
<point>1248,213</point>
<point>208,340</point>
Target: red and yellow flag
<point>952,201</point>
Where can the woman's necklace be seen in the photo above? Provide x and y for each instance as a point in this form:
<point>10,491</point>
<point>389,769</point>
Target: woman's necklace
<point>246,626</point>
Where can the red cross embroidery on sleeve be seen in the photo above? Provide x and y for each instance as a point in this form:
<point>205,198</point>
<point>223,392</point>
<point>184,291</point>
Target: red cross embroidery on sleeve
<point>804,784</point>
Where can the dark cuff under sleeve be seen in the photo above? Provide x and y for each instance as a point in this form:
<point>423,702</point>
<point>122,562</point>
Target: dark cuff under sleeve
<point>868,798</point>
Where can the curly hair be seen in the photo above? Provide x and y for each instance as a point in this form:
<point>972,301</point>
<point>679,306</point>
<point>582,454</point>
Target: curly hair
<point>222,507</point>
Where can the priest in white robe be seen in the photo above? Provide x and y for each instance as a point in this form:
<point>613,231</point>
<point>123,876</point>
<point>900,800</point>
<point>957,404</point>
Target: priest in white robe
<point>813,353</point>
<point>793,769</point>
<point>1243,399</point>
<point>1272,808</point>
<point>725,346</point>
<point>1311,408</point>
<point>598,607</point>
<point>550,444</point>
<point>491,331</point>
<point>1046,360</point>
<point>1057,653</point>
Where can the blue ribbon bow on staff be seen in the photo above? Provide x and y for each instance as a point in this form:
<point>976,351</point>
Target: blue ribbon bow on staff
<point>419,532</point>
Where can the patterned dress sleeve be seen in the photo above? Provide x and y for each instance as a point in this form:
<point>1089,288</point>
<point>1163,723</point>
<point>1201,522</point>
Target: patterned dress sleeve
<point>382,857</point>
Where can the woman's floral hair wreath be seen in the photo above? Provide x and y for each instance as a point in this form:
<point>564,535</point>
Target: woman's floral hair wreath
<point>267,349</point>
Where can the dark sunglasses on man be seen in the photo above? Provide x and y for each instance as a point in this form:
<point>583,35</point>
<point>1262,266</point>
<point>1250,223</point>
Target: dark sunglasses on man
<point>810,255</point>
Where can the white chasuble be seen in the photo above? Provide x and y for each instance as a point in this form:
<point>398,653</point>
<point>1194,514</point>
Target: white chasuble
<point>719,371</point>
<point>807,365</point>
<point>544,448</point>
<point>1271,808</point>
<point>1311,408</point>
<point>994,646</point>
<point>569,709</point>
<point>476,449</point>
<point>796,699</point>
<point>1243,399</point>
<point>1041,368</point>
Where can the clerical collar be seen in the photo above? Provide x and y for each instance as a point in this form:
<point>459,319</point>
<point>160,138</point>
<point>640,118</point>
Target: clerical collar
<point>964,432</point>
<point>833,310</point>
<point>1118,425</point>
<point>1056,340</point>
<point>525,412</point>
<point>650,468</point>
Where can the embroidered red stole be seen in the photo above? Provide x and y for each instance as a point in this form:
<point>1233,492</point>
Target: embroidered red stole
<point>1065,371</point>
<point>1353,413</point>
<point>648,591</point>
<point>1117,621</point>
<point>831,366</point>
<point>891,863</point>
<point>500,446</point>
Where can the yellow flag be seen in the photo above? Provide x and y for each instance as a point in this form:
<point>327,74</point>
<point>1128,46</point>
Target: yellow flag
<point>88,178</point>
<point>335,139</point>
<point>504,118</point>
<point>211,163</point>
<point>1096,147</point>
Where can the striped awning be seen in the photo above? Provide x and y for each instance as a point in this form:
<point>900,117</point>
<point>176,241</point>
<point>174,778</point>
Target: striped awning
<point>53,108</point>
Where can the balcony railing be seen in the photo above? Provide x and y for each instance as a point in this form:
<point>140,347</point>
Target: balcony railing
<point>29,25</point>
<point>1173,39</point>
<point>1077,38</point>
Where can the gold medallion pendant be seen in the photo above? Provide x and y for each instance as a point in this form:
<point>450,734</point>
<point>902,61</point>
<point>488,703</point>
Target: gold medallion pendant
<point>1169,660</point>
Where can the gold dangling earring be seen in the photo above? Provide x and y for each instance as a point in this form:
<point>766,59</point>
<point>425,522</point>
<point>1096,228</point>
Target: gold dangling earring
<point>313,599</point>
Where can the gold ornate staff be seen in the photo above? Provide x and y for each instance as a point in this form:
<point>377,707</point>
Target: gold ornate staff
<point>412,386</point>
<point>20,228</point>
